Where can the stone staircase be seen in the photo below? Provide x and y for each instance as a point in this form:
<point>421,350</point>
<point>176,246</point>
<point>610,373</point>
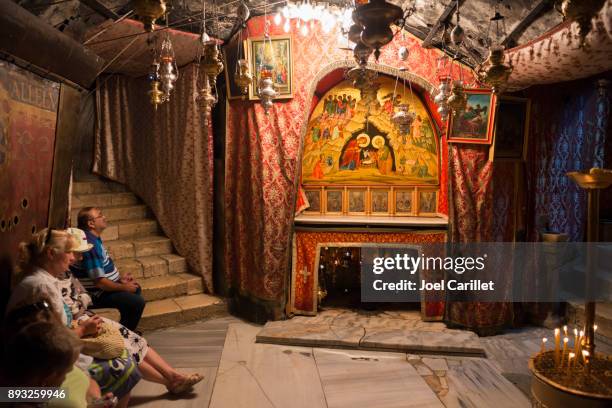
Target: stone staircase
<point>137,245</point>
<point>603,319</point>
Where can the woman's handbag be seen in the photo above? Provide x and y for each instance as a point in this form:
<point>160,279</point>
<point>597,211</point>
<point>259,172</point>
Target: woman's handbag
<point>107,344</point>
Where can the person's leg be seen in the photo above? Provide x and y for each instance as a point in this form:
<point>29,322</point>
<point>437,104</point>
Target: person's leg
<point>165,369</point>
<point>130,305</point>
<point>150,373</point>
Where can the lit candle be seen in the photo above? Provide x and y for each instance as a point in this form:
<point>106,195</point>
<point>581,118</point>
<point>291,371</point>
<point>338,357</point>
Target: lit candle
<point>557,341</point>
<point>565,340</point>
<point>576,342</point>
<point>569,361</point>
<point>565,331</point>
<point>585,357</point>
<point>543,348</point>
<point>594,328</point>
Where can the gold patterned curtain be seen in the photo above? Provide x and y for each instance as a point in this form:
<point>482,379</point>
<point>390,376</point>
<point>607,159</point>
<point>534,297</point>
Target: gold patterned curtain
<point>164,156</point>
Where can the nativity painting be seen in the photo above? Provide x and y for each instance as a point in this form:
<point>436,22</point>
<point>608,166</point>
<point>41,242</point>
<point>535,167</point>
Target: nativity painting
<point>350,139</point>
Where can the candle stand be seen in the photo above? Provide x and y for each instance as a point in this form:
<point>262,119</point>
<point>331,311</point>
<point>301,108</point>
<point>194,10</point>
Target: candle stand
<point>576,376</point>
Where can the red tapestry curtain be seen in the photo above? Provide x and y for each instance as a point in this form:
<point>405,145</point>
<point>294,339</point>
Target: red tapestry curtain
<point>164,156</point>
<point>262,153</point>
<point>471,219</point>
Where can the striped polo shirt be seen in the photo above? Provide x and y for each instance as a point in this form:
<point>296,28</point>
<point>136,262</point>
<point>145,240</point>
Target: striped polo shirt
<point>95,264</point>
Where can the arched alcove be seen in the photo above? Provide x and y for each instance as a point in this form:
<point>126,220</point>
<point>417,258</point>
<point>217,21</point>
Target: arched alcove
<point>351,147</point>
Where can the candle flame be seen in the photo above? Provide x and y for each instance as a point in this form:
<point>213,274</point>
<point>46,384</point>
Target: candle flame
<point>572,355</point>
<point>544,339</point>
<point>565,339</point>
<point>594,327</point>
<point>575,332</point>
<point>556,331</point>
<point>581,333</point>
<point>585,353</point>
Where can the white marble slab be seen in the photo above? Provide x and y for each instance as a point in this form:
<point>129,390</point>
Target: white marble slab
<point>401,332</point>
<point>260,375</point>
<point>476,383</point>
<point>353,379</point>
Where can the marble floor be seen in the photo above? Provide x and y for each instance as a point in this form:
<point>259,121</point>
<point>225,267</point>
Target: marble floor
<point>243,373</point>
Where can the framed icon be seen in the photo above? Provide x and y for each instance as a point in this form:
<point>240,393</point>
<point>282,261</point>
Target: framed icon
<point>273,54</point>
<point>334,201</point>
<point>314,199</point>
<point>428,203</point>
<point>379,199</point>
<point>404,202</point>
<point>475,123</point>
<point>357,201</point>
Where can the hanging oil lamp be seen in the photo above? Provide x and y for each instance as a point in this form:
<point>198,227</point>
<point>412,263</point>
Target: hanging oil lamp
<point>403,118</point>
<point>211,62</point>
<point>374,19</point>
<point>457,34</point>
<point>457,101</point>
<point>168,71</point>
<point>155,94</point>
<point>243,77</point>
<point>265,89</point>
<point>149,11</point>
<point>441,99</point>
<point>207,98</point>
<point>493,71</point>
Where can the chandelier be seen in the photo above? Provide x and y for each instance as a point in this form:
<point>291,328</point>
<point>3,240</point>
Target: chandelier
<point>309,13</point>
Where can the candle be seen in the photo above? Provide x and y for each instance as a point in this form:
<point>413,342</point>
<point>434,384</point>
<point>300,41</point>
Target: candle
<point>557,340</point>
<point>565,331</point>
<point>565,340</point>
<point>576,342</point>
<point>594,328</point>
<point>543,348</point>
<point>569,361</point>
<point>585,357</point>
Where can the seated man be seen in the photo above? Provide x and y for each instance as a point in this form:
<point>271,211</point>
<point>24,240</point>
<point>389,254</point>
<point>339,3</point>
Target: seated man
<point>100,277</point>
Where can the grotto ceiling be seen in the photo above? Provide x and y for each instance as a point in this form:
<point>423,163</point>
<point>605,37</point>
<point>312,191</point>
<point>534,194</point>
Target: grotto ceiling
<point>431,21</point>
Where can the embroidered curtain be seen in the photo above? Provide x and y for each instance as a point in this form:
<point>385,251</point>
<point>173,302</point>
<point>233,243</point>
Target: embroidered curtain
<point>164,156</point>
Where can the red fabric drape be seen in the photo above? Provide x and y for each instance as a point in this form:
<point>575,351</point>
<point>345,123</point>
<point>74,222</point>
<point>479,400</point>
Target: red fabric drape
<point>262,153</point>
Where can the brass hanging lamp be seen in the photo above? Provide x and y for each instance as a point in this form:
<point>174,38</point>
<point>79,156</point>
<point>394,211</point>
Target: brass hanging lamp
<point>494,72</point>
<point>149,11</point>
<point>242,73</point>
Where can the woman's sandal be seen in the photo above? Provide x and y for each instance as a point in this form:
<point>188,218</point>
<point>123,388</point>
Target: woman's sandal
<point>185,384</point>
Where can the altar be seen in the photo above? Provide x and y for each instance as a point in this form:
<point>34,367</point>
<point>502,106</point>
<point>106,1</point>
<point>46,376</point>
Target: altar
<point>312,234</point>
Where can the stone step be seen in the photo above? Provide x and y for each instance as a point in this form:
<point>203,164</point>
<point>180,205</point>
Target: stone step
<point>170,286</point>
<point>97,186</point>
<point>171,312</point>
<point>151,266</point>
<point>130,228</point>
<point>603,319</point>
<point>139,247</point>
<point>125,212</point>
<point>117,213</point>
<point>103,200</point>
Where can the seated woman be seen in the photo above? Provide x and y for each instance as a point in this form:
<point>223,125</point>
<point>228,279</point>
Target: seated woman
<point>82,391</point>
<point>46,258</point>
